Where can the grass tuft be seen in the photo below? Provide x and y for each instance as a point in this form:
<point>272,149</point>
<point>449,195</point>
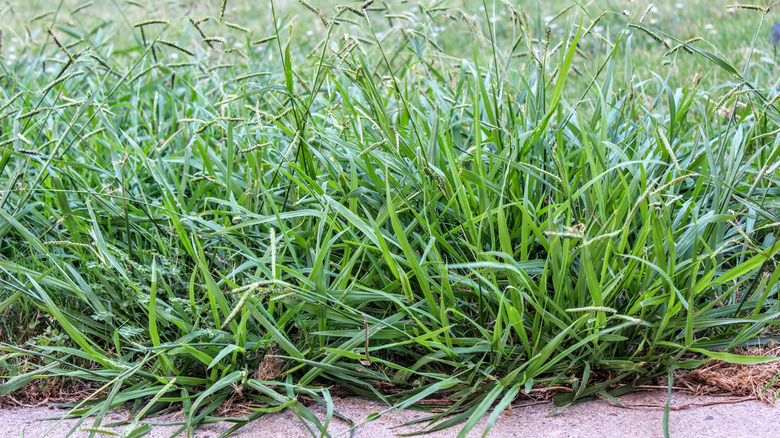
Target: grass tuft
<point>420,203</point>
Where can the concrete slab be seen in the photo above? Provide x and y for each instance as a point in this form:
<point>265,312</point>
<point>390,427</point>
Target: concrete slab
<point>699,417</point>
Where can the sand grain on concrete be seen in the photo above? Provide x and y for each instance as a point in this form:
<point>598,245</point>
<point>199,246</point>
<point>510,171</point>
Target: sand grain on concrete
<point>751,419</point>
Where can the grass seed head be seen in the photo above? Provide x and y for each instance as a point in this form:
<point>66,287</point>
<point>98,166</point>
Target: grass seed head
<point>177,47</point>
<point>309,6</point>
<point>756,8</point>
<point>222,10</point>
<point>264,40</point>
<point>152,21</point>
<point>237,27</point>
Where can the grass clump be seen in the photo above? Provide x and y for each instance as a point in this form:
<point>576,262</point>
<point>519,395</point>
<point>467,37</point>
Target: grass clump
<point>379,213</point>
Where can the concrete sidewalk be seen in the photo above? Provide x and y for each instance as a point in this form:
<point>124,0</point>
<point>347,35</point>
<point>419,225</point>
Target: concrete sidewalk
<point>727,418</point>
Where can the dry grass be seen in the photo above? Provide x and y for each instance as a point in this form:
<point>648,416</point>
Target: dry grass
<point>50,391</point>
<point>759,380</point>
<point>270,367</point>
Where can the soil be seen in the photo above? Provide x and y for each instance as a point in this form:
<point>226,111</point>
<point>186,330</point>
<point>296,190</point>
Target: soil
<point>692,416</point>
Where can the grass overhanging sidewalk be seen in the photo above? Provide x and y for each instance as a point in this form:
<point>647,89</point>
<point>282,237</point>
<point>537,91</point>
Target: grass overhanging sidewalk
<point>213,210</point>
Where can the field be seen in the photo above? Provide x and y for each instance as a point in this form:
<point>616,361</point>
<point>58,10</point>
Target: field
<point>444,205</point>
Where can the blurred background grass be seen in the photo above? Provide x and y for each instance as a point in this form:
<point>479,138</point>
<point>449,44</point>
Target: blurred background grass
<point>729,29</point>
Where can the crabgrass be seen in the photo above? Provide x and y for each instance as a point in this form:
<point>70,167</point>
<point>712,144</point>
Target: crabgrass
<point>223,210</point>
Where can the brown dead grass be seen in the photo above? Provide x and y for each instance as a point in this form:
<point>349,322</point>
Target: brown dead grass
<point>270,367</point>
<point>238,404</point>
<point>760,381</point>
<point>50,390</point>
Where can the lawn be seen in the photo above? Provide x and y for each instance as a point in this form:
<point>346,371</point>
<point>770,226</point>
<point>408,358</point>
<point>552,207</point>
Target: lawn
<point>213,204</point>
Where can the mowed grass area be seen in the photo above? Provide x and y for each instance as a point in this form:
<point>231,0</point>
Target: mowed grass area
<point>217,206</point>
<point>727,30</point>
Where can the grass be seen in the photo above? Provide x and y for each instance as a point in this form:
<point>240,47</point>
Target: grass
<point>472,216</point>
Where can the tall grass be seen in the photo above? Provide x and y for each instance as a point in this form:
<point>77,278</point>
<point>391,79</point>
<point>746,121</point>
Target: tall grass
<point>256,226</point>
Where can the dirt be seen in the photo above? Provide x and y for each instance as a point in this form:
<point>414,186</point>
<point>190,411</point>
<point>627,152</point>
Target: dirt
<point>697,416</point>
